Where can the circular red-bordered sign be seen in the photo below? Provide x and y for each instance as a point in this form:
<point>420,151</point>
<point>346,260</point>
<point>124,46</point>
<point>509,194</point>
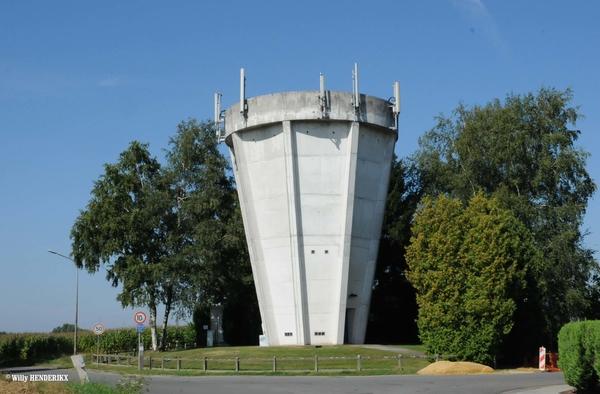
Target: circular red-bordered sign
<point>98,329</point>
<point>139,317</point>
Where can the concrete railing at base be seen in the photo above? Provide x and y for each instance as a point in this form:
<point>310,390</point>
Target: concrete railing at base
<point>321,364</point>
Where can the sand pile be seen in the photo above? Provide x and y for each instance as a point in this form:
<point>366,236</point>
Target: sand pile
<point>454,368</point>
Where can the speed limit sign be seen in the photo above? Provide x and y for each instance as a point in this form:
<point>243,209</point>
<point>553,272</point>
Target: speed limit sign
<point>139,317</point>
<point>98,329</point>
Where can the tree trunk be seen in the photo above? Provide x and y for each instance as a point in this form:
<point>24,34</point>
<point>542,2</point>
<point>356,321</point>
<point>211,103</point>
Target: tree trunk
<point>152,307</point>
<point>166,318</point>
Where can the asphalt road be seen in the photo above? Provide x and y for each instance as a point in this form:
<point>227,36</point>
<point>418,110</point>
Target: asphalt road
<point>408,384</point>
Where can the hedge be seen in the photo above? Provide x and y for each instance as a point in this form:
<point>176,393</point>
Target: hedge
<point>579,351</point>
<point>37,346</point>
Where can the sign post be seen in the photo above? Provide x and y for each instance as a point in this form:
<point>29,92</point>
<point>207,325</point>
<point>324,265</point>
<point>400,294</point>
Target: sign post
<point>98,330</point>
<point>140,319</point>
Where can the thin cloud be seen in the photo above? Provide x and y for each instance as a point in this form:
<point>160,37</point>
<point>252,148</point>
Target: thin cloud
<point>476,13</point>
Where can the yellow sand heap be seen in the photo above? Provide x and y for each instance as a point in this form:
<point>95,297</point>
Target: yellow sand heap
<point>454,368</point>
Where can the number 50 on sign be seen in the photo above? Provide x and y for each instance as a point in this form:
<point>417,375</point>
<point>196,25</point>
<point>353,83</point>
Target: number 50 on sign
<point>98,329</point>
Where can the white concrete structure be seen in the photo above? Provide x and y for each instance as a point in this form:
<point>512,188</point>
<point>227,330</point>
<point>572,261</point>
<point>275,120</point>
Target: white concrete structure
<point>312,172</point>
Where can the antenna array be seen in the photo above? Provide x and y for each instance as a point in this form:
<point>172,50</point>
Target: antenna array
<point>243,106</point>
<point>395,105</point>
<point>356,95</point>
<point>219,118</point>
<point>322,96</point>
<point>394,101</point>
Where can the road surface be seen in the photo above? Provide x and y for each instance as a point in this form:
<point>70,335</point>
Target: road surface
<point>404,384</point>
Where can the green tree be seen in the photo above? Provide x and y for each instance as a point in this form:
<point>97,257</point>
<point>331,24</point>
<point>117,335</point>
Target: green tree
<point>125,227</point>
<point>209,237</point>
<point>468,266</point>
<point>523,153</point>
<point>206,212</point>
<point>172,234</point>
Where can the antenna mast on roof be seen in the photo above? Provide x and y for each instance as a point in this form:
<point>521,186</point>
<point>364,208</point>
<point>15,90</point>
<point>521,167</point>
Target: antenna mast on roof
<point>219,118</point>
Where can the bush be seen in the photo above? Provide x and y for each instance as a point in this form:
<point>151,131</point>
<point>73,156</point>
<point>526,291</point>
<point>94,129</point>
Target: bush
<point>468,266</point>
<point>579,350</point>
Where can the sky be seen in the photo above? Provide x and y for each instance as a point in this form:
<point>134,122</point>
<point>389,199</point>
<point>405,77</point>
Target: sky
<point>80,80</point>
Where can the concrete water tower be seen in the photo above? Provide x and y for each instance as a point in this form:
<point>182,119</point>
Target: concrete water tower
<point>312,171</point>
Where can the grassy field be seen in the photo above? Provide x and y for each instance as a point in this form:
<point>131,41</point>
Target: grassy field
<point>300,360</point>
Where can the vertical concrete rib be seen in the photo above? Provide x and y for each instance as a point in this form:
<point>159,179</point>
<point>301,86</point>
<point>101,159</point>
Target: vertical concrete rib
<point>346,229</point>
<point>362,317</point>
<point>243,191</point>
<point>296,244</point>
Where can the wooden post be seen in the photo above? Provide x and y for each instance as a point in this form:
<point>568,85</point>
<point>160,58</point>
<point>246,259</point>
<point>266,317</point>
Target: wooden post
<point>118,360</point>
<point>151,362</point>
<point>108,359</point>
<point>316,363</point>
<point>437,358</point>
<point>358,363</point>
<point>205,365</point>
<point>274,363</point>
<point>237,364</point>
<point>179,363</point>
<point>400,362</point>
<point>129,361</point>
<point>163,363</point>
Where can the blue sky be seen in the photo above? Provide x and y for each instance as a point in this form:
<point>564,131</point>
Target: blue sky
<point>80,80</point>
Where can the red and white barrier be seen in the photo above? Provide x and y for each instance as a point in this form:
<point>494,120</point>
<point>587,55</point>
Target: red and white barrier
<point>542,358</point>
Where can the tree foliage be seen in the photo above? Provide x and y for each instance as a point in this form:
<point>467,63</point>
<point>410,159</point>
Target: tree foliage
<point>579,346</point>
<point>468,266</point>
<point>169,234</point>
<point>209,237</point>
<point>523,153</point>
<point>210,233</point>
<point>125,227</point>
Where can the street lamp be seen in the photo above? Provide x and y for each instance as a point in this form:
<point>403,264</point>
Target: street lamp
<point>76,297</point>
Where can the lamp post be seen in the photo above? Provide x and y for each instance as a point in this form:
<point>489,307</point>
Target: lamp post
<point>76,297</point>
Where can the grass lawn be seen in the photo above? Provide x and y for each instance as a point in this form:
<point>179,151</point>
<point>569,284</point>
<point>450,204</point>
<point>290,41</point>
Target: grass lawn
<point>296,360</point>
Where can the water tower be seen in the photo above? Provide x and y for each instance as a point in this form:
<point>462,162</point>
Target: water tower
<point>312,170</point>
